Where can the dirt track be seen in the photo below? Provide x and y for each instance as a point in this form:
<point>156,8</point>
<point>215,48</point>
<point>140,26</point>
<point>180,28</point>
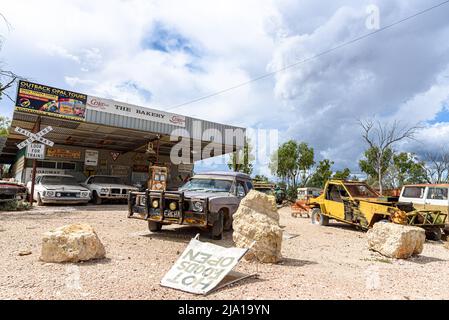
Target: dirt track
<point>319,262</point>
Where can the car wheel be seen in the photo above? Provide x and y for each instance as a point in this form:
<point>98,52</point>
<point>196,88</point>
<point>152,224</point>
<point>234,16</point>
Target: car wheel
<point>154,226</point>
<point>95,198</point>
<point>227,226</point>
<point>39,200</point>
<point>434,234</point>
<point>217,227</point>
<point>318,218</point>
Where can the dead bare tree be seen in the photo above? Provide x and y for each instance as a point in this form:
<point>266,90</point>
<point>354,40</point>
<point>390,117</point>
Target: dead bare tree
<point>437,165</point>
<point>7,78</point>
<point>382,136</point>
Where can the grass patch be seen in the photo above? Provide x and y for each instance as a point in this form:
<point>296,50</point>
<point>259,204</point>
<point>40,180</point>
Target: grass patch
<point>382,260</point>
<point>15,205</point>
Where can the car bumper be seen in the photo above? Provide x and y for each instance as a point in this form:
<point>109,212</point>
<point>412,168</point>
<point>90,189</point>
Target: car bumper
<point>114,196</point>
<point>65,200</point>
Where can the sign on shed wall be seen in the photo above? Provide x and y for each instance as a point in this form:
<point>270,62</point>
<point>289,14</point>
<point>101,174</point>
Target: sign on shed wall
<point>133,111</point>
<point>91,158</point>
<point>46,100</point>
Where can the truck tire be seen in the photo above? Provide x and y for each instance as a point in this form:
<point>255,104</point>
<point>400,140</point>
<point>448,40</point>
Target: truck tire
<point>227,225</point>
<point>217,227</point>
<point>318,218</point>
<point>154,226</point>
<point>434,234</point>
<point>39,200</point>
<point>95,198</point>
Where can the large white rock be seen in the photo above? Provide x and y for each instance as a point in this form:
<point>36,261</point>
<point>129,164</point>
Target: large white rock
<point>71,243</point>
<point>257,220</point>
<point>395,240</point>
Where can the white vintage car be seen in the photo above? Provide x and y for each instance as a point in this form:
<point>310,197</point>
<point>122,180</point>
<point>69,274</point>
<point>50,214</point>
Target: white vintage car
<point>58,188</point>
<point>107,188</point>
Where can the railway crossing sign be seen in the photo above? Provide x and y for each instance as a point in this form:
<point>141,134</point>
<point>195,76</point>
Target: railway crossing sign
<point>35,151</point>
<point>34,137</point>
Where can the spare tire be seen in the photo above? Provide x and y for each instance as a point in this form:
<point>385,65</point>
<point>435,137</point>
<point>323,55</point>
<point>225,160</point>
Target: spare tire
<point>318,218</point>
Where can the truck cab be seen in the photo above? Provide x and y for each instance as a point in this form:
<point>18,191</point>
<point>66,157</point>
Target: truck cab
<point>207,200</point>
<point>356,203</point>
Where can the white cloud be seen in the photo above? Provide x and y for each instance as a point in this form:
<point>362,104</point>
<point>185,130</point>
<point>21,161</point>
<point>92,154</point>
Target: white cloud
<point>104,48</point>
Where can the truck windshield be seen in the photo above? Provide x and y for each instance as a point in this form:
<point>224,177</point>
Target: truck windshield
<point>361,190</point>
<point>108,180</point>
<point>214,185</point>
<point>53,180</point>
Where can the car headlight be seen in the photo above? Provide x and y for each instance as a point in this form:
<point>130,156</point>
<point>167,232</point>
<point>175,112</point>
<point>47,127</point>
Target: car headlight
<point>155,204</point>
<point>104,190</point>
<point>84,194</point>
<point>50,193</point>
<point>197,206</point>
<point>172,206</point>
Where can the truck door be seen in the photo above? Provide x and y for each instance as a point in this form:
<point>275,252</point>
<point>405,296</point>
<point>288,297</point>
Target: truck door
<point>334,202</point>
<point>437,199</point>
<point>415,195</point>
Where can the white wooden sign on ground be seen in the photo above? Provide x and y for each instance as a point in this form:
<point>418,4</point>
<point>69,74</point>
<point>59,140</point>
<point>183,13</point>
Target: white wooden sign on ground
<point>201,267</point>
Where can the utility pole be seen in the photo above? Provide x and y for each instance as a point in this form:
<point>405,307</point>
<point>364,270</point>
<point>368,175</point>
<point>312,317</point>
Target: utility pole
<point>36,128</point>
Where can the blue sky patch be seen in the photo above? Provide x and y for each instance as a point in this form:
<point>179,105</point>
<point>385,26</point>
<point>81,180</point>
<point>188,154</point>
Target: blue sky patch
<point>442,116</point>
<point>131,85</point>
<point>165,39</point>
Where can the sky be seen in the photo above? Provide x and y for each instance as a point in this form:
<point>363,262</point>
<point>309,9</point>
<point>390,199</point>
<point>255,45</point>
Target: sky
<point>161,54</point>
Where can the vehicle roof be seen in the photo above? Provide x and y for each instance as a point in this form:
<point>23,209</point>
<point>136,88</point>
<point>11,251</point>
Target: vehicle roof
<point>428,185</point>
<point>103,175</point>
<point>53,175</point>
<point>224,173</point>
<point>347,181</point>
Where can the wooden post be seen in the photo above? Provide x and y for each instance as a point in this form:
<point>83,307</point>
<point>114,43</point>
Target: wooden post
<point>36,128</point>
<point>157,150</point>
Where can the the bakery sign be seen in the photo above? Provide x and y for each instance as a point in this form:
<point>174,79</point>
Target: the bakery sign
<point>129,110</point>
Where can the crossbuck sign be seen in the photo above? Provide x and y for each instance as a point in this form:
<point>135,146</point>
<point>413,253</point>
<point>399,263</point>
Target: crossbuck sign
<point>34,137</point>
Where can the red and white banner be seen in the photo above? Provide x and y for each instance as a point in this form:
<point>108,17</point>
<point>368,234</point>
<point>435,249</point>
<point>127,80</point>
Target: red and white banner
<point>133,111</point>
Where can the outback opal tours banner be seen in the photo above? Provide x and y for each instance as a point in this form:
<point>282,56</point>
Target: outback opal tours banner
<point>129,110</point>
<point>42,99</point>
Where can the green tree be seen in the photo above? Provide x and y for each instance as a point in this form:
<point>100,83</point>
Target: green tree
<point>241,161</point>
<point>305,162</point>
<point>342,175</point>
<point>371,165</point>
<point>5,123</point>
<point>322,173</point>
<point>381,138</point>
<point>292,163</point>
<point>261,177</point>
<point>406,169</point>
<point>283,162</point>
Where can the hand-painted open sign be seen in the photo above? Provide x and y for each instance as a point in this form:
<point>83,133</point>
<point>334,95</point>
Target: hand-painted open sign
<point>202,266</point>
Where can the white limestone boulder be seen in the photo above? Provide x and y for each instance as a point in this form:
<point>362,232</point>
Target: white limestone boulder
<point>395,240</point>
<point>71,243</point>
<point>258,220</point>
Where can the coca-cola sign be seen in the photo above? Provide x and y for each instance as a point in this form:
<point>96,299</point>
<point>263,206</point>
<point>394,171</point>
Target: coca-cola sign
<point>129,110</point>
<point>96,103</point>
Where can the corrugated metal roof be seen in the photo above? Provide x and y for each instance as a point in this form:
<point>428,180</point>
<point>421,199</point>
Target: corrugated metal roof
<point>104,118</point>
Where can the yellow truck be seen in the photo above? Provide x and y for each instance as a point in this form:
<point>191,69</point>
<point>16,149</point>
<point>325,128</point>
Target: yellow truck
<point>356,203</point>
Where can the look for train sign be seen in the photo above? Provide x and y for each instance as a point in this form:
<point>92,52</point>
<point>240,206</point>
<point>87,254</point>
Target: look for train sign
<point>35,151</point>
